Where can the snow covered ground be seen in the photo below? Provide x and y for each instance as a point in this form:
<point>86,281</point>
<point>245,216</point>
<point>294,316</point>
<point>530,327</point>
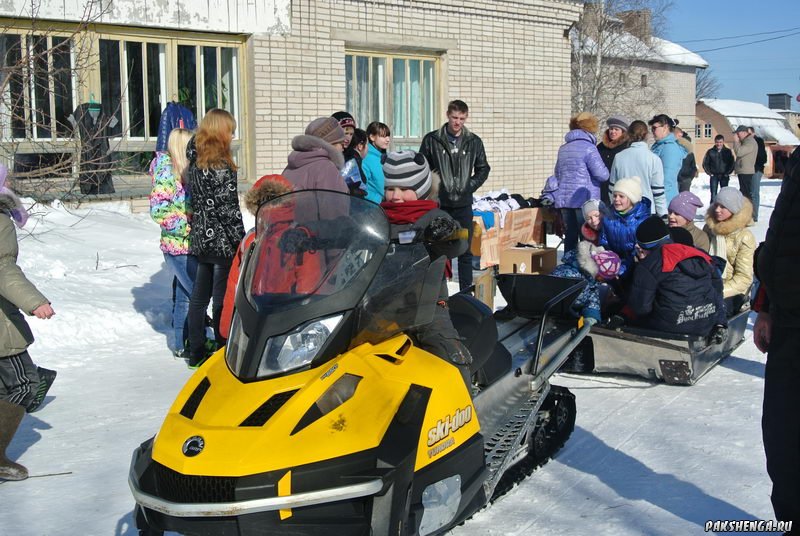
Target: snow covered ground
<point>644,458</point>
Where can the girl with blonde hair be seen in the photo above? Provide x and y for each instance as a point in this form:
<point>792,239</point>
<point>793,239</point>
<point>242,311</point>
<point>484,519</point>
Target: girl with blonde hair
<point>217,226</point>
<point>170,208</point>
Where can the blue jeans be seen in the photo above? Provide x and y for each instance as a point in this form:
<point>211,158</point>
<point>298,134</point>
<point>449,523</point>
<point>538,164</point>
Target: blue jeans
<point>573,219</point>
<point>463,215</point>
<point>184,270</point>
<point>755,190</point>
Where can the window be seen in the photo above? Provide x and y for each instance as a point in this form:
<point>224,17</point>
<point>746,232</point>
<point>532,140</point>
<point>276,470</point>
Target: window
<point>401,91</point>
<point>130,74</point>
<point>698,130</point>
<point>38,97</point>
<point>707,130</point>
<point>139,77</point>
<point>644,80</point>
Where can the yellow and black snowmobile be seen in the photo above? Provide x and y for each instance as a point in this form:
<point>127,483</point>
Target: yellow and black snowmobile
<point>322,416</point>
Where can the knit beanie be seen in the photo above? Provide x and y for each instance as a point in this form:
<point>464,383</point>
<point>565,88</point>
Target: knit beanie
<point>18,212</point>
<point>345,119</point>
<point>652,232</point>
<point>630,187</point>
<point>326,128</point>
<point>730,198</point>
<point>618,121</point>
<point>680,235</point>
<point>685,204</point>
<point>590,206</point>
<point>407,169</point>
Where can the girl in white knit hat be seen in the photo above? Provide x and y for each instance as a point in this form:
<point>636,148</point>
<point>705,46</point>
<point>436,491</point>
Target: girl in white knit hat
<point>618,232</point>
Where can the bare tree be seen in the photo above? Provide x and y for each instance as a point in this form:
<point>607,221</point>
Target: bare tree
<point>43,70</point>
<point>612,45</point>
<point>707,85</point>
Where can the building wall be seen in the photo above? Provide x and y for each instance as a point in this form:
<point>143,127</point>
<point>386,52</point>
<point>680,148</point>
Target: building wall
<point>508,60</point>
<point>677,84</point>
<point>237,16</point>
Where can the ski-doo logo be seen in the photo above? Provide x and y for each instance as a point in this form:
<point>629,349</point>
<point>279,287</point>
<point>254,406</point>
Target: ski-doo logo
<point>193,446</point>
<point>449,425</point>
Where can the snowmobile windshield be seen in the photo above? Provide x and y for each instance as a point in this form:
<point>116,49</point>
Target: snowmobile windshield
<point>311,245</point>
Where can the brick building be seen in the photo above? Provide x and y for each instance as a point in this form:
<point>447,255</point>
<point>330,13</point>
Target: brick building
<point>276,64</point>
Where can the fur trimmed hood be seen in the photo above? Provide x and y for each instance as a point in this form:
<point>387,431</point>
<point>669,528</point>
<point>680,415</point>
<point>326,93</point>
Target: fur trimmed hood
<point>265,189</point>
<point>622,140</point>
<point>738,221</point>
<point>584,257</point>
<point>304,143</point>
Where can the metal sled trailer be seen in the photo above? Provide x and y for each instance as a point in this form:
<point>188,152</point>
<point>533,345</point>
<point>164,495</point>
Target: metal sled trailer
<point>674,359</point>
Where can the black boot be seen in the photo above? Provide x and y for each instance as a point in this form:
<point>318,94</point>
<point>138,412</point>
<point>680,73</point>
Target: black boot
<point>10,417</point>
<point>46,379</point>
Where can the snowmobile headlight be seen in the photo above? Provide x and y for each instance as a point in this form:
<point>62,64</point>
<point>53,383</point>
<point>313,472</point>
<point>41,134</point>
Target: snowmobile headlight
<point>297,348</point>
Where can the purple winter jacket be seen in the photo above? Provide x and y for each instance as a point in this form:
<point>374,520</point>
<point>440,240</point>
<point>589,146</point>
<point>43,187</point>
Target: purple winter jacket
<point>579,171</point>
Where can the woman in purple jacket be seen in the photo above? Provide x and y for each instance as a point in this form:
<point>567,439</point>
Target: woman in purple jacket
<point>579,172</point>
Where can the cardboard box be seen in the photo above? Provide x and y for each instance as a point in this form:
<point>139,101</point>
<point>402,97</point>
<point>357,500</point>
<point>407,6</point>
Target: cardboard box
<point>485,286</point>
<point>488,244</point>
<point>528,260</point>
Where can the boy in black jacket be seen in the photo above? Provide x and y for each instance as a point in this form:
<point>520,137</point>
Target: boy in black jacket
<point>675,287</point>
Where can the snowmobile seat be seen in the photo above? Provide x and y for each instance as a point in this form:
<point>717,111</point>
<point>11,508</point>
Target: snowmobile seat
<point>535,296</point>
<point>474,322</point>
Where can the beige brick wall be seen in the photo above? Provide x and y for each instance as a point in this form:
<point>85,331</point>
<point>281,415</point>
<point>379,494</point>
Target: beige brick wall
<point>508,60</point>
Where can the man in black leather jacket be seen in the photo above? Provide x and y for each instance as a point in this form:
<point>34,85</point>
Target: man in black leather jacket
<point>459,158</point>
<point>718,163</point>
<point>776,330</point>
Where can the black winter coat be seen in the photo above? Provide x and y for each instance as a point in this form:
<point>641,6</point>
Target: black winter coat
<point>718,163</point>
<point>608,153</point>
<point>456,168</point>
<point>779,257</point>
<point>676,289</point>
<point>761,155</point>
<point>217,226</point>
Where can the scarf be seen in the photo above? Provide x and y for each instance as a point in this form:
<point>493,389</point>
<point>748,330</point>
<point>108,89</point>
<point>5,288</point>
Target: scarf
<point>407,212</point>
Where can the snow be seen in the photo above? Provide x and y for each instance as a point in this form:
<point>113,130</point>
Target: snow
<point>768,124</point>
<point>645,458</point>
<point>628,46</point>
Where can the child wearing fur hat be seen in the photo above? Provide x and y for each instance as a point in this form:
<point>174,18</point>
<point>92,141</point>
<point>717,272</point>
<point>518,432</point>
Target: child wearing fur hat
<point>682,210</point>
<point>595,265</point>
<point>618,232</point>
<point>676,288</point>
<point>726,225</point>
<point>409,189</point>
<point>265,189</point>
<point>23,385</point>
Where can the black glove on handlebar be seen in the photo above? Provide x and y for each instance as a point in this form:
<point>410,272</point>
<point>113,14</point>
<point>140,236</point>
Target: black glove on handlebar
<point>295,240</point>
<point>439,229</point>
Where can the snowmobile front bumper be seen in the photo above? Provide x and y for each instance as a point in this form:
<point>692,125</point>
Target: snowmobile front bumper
<point>269,504</point>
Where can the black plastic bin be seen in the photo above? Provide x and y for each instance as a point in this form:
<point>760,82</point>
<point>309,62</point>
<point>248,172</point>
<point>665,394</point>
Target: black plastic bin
<point>533,296</point>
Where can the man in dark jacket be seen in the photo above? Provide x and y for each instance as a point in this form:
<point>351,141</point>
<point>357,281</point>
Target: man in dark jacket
<point>459,158</point>
<point>776,330</point>
<point>718,164</point>
<point>761,161</point>
<point>675,287</point>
